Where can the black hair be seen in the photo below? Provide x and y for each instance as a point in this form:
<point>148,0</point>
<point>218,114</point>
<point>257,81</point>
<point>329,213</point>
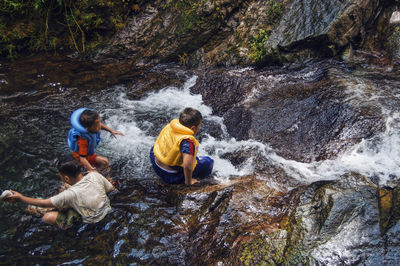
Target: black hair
<point>88,117</point>
<point>70,168</point>
<point>190,117</point>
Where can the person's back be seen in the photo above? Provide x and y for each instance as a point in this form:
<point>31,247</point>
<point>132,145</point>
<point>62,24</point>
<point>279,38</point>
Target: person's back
<point>174,154</point>
<point>88,197</point>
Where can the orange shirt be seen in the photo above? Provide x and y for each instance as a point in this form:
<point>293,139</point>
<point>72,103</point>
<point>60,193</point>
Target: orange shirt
<point>83,147</point>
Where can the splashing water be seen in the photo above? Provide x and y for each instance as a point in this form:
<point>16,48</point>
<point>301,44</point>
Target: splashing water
<point>142,120</point>
<point>145,228</point>
<point>377,157</point>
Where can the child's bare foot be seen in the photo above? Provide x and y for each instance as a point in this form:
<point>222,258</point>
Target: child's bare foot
<point>37,211</point>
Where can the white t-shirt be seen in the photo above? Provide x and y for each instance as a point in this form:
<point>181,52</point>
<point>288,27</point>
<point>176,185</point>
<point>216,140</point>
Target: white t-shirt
<point>88,197</point>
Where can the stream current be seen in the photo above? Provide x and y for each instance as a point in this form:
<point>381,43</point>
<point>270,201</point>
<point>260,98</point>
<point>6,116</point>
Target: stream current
<point>34,116</point>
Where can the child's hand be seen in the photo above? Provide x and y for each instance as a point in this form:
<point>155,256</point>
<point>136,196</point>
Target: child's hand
<point>115,133</point>
<point>16,196</point>
<point>194,181</point>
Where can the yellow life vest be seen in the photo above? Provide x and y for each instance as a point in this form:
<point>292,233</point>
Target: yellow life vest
<point>167,146</point>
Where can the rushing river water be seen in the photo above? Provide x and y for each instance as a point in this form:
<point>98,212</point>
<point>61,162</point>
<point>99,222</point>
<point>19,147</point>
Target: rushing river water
<point>145,226</point>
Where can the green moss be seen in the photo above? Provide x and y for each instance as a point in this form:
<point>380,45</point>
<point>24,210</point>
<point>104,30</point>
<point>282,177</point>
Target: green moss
<point>232,49</point>
<point>51,25</point>
<point>264,250</point>
<point>190,18</point>
<point>294,253</point>
<point>189,15</point>
<point>274,11</point>
<point>258,52</point>
<point>252,251</point>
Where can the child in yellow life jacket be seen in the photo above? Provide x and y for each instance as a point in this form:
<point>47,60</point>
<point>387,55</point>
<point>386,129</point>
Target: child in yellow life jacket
<point>174,154</point>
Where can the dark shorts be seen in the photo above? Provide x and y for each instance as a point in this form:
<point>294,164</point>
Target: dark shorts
<point>203,169</point>
<point>66,218</point>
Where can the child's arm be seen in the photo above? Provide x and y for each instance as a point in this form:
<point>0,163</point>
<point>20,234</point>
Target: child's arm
<point>37,202</point>
<point>188,169</point>
<point>114,133</point>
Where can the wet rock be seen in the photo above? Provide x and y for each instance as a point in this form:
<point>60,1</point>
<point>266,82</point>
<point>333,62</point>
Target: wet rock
<point>389,200</point>
<point>219,217</point>
<point>336,222</point>
<point>258,32</point>
<point>170,31</point>
<point>323,27</point>
<point>153,80</point>
<point>305,115</point>
<point>221,89</point>
<point>334,126</point>
<point>237,121</point>
<point>392,44</point>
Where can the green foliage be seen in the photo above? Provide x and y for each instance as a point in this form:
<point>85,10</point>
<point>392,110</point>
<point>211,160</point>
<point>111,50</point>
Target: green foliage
<point>51,25</point>
<point>257,49</point>
<point>190,17</point>
<point>189,14</point>
<point>274,11</point>
<point>11,6</point>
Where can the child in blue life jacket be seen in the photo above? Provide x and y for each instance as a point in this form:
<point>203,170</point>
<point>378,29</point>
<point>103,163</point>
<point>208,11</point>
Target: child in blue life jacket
<point>84,136</point>
<point>174,154</point>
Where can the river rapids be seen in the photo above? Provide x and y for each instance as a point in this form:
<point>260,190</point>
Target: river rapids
<point>152,223</point>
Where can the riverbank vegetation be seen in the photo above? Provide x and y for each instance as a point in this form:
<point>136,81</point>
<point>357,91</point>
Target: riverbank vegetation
<point>53,26</point>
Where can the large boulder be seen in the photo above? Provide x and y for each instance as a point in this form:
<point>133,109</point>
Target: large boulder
<point>306,114</point>
<point>336,222</point>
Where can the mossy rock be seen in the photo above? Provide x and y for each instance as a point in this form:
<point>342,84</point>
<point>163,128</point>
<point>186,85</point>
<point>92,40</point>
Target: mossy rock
<point>264,250</point>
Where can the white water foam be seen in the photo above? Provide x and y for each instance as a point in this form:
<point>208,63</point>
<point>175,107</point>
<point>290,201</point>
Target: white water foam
<point>142,120</point>
<point>377,158</point>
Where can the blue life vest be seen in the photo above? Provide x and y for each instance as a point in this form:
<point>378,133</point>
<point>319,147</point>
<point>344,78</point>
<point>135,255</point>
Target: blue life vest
<point>93,140</point>
<point>78,130</point>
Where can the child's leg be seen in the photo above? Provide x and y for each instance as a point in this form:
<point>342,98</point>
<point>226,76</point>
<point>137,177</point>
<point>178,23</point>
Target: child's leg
<point>64,219</point>
<point>204,167</point>
<point>50,217</point>
<point>98,161</point>
<point>102,162</point>
<point>102,165</point>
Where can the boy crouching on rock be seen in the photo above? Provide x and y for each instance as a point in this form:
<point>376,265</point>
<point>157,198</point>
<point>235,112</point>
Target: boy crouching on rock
<point>174,155</point>
<point>86,197</point>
